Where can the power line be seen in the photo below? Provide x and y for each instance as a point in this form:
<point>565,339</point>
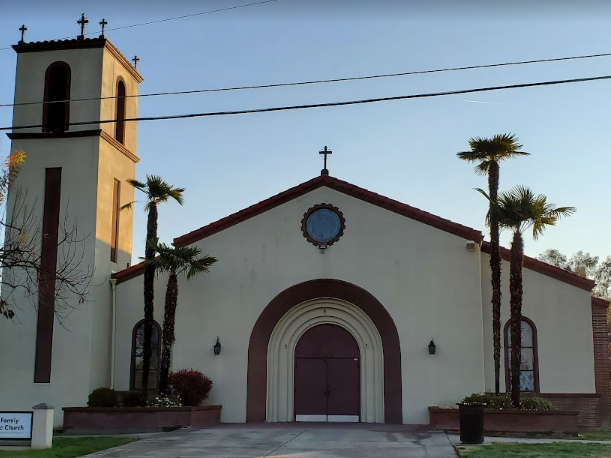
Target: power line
<point>329,104</point>
<point>333,80</point>
<point>169,19</point>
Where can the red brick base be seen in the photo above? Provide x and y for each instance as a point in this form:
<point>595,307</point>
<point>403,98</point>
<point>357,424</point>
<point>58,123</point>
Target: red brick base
<point>78,420</point>
<point>588,406</point>
<point>513,421</point>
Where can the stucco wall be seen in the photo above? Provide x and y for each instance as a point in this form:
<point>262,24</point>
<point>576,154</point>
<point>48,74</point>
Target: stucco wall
<point>86,77</point>
<point>563,317</point>
<point>112,71</point>
<point>72,337</point>
<point>424,277</point>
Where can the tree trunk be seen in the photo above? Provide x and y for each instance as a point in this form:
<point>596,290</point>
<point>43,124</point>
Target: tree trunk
<point>495,269</point>
<point>149,296</point>
<point>515,289</point>
<point>171,299</point>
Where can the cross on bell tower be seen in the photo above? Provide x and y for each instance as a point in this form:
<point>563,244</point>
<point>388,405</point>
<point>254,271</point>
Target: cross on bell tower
<point>82,23</point>
<point>22,29</point>
<point>325,152</point>
<point>103,23</point>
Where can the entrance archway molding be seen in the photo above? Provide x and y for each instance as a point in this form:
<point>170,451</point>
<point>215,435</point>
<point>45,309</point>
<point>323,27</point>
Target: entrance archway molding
<point>281,356</point>
<point>256,395</point>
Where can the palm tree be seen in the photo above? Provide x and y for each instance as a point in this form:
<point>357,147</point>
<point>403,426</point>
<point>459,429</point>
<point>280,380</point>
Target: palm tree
<point>518,210</point>
<point>156,191</point>
<point>488,152</point>
<point>175,261</point>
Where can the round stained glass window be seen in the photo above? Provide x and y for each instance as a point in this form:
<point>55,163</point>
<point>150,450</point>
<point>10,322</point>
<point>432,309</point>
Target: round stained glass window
<point>323,224</point>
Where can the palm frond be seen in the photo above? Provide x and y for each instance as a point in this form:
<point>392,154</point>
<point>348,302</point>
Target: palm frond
<point>520,208</point>
<point>488,150</point>
<point>178,260</point>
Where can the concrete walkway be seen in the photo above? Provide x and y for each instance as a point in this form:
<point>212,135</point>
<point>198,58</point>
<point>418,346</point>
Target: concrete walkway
<point>295,441</point>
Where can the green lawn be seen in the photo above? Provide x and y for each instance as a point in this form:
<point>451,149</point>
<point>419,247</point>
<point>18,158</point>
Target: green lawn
<point>586,435</point>
<point>555,450</point>
<point>70,447</point>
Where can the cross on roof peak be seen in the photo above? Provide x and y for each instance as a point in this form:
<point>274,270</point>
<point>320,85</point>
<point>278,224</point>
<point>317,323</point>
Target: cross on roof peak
<point>325,152</point>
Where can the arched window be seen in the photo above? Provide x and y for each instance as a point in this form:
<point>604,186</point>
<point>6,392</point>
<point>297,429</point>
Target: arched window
<point>120,115</point>
<point>529,369</point>
<point>135,382</point>
<point>56,109</point>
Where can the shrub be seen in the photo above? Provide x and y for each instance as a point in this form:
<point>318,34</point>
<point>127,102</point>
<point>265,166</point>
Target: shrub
<point>492,401</point>
<point>163,401</point>
<point>535,403</point>
<point>102,397</point>
<point>191,386</point>
<point>133,399</point>
<point>503,401</point>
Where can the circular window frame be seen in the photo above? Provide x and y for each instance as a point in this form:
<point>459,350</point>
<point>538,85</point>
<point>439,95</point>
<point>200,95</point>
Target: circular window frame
<point>304,222</point>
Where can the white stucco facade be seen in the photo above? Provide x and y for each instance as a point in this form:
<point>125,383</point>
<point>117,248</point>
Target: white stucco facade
<point>413,277</point>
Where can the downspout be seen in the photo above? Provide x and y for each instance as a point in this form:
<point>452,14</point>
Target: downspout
<point>113,286</point>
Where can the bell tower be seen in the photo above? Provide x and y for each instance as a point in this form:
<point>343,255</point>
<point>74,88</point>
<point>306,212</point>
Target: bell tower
<point>74,179</point>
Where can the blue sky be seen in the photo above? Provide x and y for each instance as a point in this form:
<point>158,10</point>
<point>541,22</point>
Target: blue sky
<point>402,149</point>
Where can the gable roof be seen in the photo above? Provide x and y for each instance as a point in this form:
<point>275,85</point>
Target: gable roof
<point>340,186</point>
<point>547,269</point>
<point>299,190</point>
<point>374,199</point>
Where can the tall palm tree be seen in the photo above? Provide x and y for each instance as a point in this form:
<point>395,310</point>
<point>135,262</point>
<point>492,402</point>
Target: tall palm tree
<point>156,191</point>
<point>518,210</point>
<point>488,152</point>
<point>175,261</point>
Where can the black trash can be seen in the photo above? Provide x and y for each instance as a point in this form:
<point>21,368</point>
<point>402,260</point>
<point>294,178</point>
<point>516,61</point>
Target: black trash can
<point>471,422</point>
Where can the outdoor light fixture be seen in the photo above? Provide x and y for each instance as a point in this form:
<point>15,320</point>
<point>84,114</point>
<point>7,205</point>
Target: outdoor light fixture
<point>217,347</point>
<point>432,348</point>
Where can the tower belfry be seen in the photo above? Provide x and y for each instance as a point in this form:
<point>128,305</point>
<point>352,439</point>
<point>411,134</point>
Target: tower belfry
<point>75,176</point>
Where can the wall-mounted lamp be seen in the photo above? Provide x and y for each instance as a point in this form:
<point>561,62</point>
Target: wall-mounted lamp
<point>322,247</point>
<point>432,348</point>
<point>217,347</point>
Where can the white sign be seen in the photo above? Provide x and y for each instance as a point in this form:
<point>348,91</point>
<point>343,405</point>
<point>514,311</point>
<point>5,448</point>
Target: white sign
<point>15,425</point>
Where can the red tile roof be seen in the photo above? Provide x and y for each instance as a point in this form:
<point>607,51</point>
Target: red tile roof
<point>292,193</point>
<point>374,199</point>
<point>547,269</point>
<point>340,186</point>
<point>600,302</point>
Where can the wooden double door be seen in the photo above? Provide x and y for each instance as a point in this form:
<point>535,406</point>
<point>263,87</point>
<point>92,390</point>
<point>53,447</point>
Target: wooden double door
<point>327,376</point>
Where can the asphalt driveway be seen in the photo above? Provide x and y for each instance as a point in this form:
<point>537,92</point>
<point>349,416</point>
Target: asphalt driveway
<point>290,441</point>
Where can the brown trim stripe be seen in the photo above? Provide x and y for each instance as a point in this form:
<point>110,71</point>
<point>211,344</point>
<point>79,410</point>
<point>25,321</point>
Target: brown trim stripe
<point>46,282</point>
<point>47,135</point>
<point>547,269</point>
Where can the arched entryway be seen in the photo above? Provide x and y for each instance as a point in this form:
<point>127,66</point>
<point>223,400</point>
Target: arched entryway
<point>327,375</point>
<point>266,357</point>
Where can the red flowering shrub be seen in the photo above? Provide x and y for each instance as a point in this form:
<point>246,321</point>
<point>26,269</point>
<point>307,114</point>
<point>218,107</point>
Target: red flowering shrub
<point>191,386</point>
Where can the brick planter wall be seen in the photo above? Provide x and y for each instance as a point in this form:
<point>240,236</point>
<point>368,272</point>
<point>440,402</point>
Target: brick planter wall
<point>525,421</point>
<point>79,420</point>
<point>588,405</point>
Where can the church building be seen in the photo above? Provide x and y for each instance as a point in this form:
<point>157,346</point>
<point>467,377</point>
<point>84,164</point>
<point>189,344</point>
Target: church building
<point>330,302</point>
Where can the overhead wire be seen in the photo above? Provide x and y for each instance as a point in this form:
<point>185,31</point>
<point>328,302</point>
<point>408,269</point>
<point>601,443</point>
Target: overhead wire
<point>325,105</point>
<point>321,81</point>
<point>157,21</point>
